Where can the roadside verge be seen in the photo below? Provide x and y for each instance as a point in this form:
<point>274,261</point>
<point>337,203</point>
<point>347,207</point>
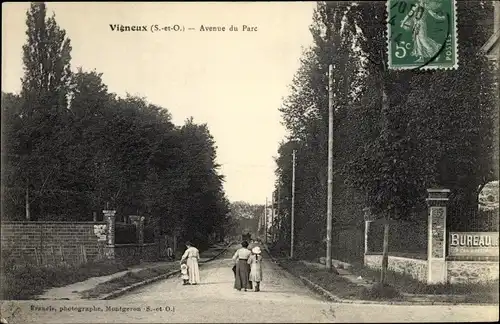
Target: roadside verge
<point>121,291</point>
<point>343,289</point>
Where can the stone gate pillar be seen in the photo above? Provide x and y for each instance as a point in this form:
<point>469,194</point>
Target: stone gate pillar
<point>109,217</point>
<point>368,220</point>
<point>436,238</point>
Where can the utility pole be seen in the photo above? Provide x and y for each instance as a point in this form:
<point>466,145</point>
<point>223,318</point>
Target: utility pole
<point>330,171</point>
<point>293,207</point>
<point>265,223</point>
<point>273,228</point>
<point>278,211</point>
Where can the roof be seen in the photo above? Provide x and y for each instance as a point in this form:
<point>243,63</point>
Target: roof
<point>491,44</point>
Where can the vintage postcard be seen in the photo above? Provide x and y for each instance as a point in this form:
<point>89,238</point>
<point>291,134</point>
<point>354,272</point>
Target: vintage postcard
<point>250,162</point>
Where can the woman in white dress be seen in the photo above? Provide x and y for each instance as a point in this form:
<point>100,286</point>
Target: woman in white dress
<point>191,256</point>
<point>255,262</point>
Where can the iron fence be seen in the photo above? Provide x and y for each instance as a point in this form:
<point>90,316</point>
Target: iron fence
<point>471,219</point>
<point>125,233</point>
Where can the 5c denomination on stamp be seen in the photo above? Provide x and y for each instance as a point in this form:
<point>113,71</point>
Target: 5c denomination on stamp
<point>422,34</point>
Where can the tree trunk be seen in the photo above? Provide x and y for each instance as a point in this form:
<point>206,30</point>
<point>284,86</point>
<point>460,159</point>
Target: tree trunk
<point>385,252</point>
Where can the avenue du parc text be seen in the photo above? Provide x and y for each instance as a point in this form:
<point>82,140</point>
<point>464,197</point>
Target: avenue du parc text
<point>180,28</point>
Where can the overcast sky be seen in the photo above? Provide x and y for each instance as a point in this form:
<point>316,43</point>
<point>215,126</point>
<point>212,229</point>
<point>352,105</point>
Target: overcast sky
<point>233,81</point>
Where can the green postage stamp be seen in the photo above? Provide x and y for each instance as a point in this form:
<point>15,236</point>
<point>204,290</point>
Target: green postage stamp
<point>422,34</point>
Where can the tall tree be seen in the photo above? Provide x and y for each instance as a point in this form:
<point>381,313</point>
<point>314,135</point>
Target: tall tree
<point>46,87</point>
<point>305,115</point>
<point>47,78</point>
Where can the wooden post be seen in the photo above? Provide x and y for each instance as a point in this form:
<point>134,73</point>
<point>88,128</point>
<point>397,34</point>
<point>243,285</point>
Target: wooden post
<point>330,172</point>
<point>292,227</point>
<point>84,254</point>
<point>61,252</point>
<point>385,252</point>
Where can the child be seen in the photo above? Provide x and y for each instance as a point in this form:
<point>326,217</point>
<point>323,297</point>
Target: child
<point>184,273</point>
<point>255,261</point>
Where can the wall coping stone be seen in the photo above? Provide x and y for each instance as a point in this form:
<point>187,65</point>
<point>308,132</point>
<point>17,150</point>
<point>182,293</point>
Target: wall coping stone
<point>400,258</point>
<point>479,262</point>
<point>438,190</point>
<point>131,245</point>
<point>126,245</point>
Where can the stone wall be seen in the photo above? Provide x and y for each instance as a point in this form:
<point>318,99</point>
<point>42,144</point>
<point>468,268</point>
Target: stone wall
<point>45,243</point>
<point>472,271</point>
<point>52,243</point>
<point>457,271</point>
<point>129,253</point>
<point>413,267</point>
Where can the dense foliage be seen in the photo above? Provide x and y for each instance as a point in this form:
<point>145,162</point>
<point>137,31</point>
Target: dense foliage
<point>395,133</point>
<point>71,148</point>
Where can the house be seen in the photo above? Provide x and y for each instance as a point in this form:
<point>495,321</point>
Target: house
<point>492,47</point>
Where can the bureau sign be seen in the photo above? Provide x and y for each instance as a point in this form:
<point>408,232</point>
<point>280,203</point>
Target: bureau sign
<point>473,244</point>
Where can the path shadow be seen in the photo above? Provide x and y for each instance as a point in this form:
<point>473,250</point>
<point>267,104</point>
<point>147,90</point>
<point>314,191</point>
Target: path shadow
<point>214,283</point>
<point>264,291</point>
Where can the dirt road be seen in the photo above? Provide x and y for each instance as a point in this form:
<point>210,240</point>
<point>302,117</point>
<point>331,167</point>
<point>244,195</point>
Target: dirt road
<point>283,298</point>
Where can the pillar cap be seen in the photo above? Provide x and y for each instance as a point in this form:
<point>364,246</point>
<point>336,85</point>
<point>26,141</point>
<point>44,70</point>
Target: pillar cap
<point>438,194</point>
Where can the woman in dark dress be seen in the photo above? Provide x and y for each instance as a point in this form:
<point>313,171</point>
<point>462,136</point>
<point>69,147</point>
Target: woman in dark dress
<point>241,280</point>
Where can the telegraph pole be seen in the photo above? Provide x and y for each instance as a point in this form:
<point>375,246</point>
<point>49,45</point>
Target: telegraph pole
<point>278,211</point>
<point>293,207</point>
<point>265,222</point>
<point>330,171</point>
<point>273,228</point>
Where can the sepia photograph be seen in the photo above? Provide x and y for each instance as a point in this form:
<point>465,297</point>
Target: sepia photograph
<point>250,162</point>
